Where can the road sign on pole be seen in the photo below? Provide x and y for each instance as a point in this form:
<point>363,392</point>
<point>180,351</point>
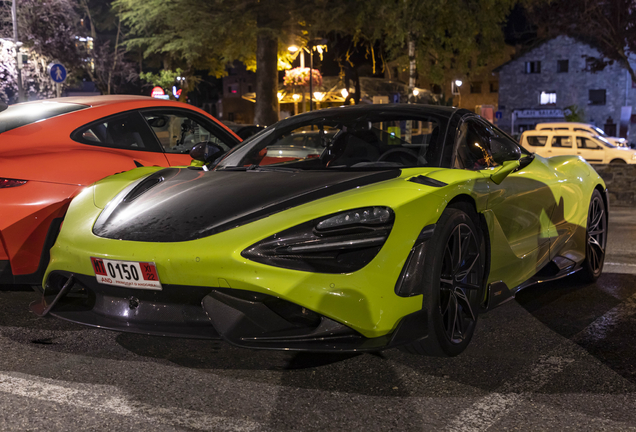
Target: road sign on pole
<point>57,72</point>
<point>498,115</point>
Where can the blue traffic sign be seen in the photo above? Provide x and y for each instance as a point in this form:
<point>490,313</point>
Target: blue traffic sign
<point>57,72</point>
<point>498,115</point>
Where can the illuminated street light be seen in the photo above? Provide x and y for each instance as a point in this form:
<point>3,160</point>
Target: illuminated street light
<point>344,93</point>
<point>293,48</point>
<point>416,92</point>
<point>458,83</point>
<point>280,96</point>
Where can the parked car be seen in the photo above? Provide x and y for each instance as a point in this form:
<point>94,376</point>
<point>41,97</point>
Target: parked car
<point>243,131</point>
<point>413,220</point>
<point>50,150</point>
<point>594,149</point>
<point>582,127</point>
<point>297,145</point>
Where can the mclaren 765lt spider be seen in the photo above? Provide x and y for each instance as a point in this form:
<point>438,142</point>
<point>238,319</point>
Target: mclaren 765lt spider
<point>411,221</point>
<point>51,149</point>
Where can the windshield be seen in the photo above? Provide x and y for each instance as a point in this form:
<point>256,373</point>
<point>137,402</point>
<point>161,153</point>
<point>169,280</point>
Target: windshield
<point>374,141</point>
<point>605,142</point>
<point>599,131</point>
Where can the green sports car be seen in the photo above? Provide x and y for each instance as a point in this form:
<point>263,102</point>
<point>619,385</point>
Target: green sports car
<point>412,221</point>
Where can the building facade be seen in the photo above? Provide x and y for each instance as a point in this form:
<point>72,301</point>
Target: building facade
<point>555,80</point>
<point>236,84</point>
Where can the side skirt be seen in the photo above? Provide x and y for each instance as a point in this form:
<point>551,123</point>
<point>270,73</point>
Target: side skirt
<point>498,292</point>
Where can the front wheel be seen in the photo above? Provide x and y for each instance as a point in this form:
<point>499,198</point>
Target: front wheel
<point>596,239</point>
<point>453,284</point>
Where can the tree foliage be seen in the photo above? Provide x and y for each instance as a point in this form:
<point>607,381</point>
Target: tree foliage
<point>47,30</point>
<point>607,25</point>
<point>201,34</point>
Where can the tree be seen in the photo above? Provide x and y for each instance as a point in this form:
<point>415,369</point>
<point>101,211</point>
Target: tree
<point>47,30</point>
<point>110,69</point>
<point>255,32</point>
<point>607,25</point>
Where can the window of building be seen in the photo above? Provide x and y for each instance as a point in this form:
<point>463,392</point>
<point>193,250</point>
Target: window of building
<point>533,67</point>
<point>249,89</point>
<point>494,87</point>
<point>475,87</point>
<point>232,89</point>
<point>547,98</point>
<point>562,66</point>
<point>596,97</point>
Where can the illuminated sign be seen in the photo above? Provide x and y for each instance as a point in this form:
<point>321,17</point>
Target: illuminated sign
<point>157,92</point>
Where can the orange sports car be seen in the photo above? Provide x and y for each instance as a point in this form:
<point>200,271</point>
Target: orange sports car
<point>50,150</point>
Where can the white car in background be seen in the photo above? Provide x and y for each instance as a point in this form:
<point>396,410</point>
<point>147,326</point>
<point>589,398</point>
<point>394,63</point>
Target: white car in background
<point>582,127</point>
<point>594,149</point>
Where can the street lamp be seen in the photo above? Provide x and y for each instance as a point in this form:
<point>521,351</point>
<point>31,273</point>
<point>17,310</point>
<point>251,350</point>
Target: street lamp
<point>458,84</point>
<point>319,97</point>
<point>315,44</point>
<point>312,45</point>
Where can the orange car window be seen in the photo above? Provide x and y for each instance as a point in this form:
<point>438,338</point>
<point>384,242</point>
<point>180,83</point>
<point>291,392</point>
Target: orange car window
<point>178,133</point>
<point>125,131</point>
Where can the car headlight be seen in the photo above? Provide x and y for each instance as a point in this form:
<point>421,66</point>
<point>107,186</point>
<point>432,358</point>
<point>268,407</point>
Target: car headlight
<point>339,243</point>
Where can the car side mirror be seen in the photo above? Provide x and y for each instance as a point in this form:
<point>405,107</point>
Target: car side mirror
<point>504,171</point>
<point>206,152</point>
<point>3,106</point>
<point>504,150</point>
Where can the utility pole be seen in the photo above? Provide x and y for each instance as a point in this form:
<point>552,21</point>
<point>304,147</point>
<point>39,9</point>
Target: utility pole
<point>18,69</point>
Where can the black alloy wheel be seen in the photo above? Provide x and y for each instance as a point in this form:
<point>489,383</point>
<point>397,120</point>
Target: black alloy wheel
<point>596,239</point>
<point>454,280</point>
<point>460,284</point>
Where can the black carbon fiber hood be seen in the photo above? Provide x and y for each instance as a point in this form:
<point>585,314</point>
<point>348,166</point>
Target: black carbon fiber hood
<point>179,204</point>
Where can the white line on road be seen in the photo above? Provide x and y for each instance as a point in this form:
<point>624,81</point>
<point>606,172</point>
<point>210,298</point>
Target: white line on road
<point>599,329</point>
<point>620,268</point>
<point>620,264</point>
<point>489,409</point>
<point>96,397</point>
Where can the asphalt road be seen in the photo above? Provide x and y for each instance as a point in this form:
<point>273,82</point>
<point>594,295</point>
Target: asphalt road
<point>560,357</point>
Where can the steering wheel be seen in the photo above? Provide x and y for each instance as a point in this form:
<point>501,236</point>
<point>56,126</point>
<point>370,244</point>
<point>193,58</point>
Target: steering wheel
<point>400,155</point>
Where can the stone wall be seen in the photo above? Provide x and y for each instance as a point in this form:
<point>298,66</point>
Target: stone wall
<point>621,183</point>
<point>520,90</point>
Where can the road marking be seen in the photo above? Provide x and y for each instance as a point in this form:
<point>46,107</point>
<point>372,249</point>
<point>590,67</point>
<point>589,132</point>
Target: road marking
<point>621,268</point>
<point>104,399</point>
<point>600,327</point>
<point>489,409</point>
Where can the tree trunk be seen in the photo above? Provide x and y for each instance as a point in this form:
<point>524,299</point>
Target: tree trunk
<point>412,76</point>
<point>266,109</point>
<point>18,68</point>
<point>412,67</point>
<point>112,69</point>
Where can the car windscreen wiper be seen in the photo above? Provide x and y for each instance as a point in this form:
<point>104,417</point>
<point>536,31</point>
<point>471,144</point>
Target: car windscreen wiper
<point>272,168</point>
<point>258,168</point>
